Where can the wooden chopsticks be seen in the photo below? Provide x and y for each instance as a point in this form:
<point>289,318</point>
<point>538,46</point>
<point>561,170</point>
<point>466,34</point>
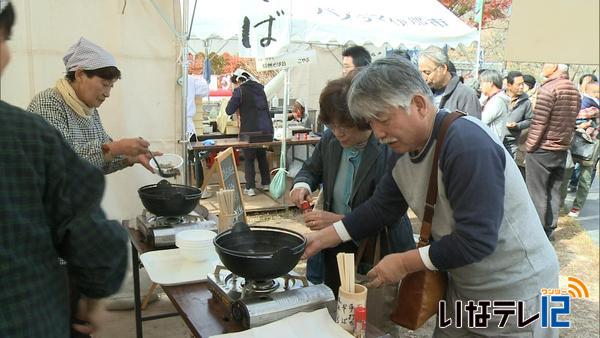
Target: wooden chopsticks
<point>346,269</point>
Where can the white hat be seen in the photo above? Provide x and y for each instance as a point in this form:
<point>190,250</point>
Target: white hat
<point>300,102</point>
<point>241,73</point>
<point>87,56</point>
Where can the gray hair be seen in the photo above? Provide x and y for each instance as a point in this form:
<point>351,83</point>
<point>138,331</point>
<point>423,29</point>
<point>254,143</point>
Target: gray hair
<point>492,76</point>
<point>436,54</point>
<point>563,68</point>
<point>387,83</point>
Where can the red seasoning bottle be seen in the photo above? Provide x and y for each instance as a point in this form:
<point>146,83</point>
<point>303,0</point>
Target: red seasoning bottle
<point>360,322</point>
<point>305,206</point>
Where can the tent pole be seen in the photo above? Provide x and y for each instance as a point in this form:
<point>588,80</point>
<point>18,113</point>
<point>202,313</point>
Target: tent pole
<point>478,56</point>
<point>184,89</point>
<point>286,100</point>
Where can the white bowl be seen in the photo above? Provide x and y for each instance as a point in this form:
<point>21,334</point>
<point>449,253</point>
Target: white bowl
<point>167,162</point>
<point>195,236</point>
<point>193,246</point>
<point>198,254</point>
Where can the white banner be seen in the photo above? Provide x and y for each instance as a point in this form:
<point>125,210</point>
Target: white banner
<point>286,60</point>
<point>265,27</point>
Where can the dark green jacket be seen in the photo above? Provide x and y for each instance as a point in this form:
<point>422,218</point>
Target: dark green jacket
<point>50,208</point>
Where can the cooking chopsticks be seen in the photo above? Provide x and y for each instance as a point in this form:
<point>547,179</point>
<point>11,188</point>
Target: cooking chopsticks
<point>346,270</point>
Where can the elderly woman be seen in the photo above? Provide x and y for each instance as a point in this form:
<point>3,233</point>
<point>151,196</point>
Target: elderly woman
<point>71,107</point>
<point>349,161</point>
<point>299,115</point>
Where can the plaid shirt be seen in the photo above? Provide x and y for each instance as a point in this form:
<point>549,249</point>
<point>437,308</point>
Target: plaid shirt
<point>50,207</point>
<point>85,135</point>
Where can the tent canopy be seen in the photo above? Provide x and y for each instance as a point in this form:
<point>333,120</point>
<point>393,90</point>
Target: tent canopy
<point>410,23</point>
<point>555,31</point>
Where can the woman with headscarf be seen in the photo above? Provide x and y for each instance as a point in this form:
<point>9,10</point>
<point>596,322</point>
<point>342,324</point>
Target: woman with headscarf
<point>299,115</point>
<point>250,100</point>
<point>71,107</point>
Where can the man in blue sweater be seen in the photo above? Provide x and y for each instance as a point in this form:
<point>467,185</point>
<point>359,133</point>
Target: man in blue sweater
<point>486,232</point>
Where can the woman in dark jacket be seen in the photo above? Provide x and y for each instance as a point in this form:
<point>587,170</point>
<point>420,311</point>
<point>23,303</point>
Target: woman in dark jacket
<point>348,161</point>
<point>250,100</point>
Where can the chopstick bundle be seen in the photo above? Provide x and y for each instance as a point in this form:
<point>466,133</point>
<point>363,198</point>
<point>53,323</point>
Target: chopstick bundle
<point>225,198</point>
<point>346,269</point>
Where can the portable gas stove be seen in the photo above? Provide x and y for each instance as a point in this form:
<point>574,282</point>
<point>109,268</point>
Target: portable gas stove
<point>255,303</point>
<point>160,231</point>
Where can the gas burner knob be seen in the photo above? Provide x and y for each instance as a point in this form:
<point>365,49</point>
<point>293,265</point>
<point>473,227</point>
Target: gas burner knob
<point>240,314</point>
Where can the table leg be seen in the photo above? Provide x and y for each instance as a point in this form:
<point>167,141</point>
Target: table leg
<point>135,265</point>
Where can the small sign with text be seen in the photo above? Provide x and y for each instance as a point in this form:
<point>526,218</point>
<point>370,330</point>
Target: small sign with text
<point>286,60</point>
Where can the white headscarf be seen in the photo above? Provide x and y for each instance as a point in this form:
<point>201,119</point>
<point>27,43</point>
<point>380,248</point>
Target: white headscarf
<point>87,56</point>
<point>244,74</point>
<point>3,4</point>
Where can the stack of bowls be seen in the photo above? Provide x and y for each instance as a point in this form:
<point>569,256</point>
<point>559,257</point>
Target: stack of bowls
<point>196,245</point>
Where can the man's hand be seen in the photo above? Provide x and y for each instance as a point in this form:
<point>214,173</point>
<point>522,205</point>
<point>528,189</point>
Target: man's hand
<point>511,125</point>
<point>298,195</point>
<point>92,312</point>
<point>317,219</point>
<point>322,239</point>
<point>392,268</point>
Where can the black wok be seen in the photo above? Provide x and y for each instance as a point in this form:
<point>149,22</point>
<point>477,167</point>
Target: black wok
<point>258,252</point>
<point>171,200</point>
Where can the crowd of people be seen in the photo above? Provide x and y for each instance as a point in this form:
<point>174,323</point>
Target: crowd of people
<point>501,168</point>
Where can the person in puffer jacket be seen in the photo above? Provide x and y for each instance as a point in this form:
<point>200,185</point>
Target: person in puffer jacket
<point>548,140</point>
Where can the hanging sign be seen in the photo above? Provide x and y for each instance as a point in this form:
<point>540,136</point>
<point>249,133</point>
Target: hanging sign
<point>286,60</point>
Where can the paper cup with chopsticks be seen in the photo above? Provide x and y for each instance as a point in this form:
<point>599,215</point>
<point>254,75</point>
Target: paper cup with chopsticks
<point>350,294</point>
<point>226,213</point>
<point>347,302</point>
<point>225,222</point>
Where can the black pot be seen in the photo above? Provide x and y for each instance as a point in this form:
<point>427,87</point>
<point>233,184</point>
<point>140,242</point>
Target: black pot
<point>259,253</point>
<point>171,200</point>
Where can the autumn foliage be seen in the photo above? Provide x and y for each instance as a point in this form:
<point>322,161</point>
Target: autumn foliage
<point>492,9</point>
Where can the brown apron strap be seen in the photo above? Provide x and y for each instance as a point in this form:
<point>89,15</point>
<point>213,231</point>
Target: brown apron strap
<point>432,189</point>
<point>363,247</point>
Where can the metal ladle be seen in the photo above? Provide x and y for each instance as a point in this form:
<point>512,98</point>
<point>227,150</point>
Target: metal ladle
<point>166,174</point>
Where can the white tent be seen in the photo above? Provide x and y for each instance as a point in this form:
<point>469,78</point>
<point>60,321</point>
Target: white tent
<point>147,101</point>
<point>411,23</point>
<point>325,26</point>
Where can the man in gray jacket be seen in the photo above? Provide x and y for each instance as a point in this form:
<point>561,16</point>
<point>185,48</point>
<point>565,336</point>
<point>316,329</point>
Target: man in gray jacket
<point>448,91</point>
<point>495,105</point>
<point>520,115</point>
